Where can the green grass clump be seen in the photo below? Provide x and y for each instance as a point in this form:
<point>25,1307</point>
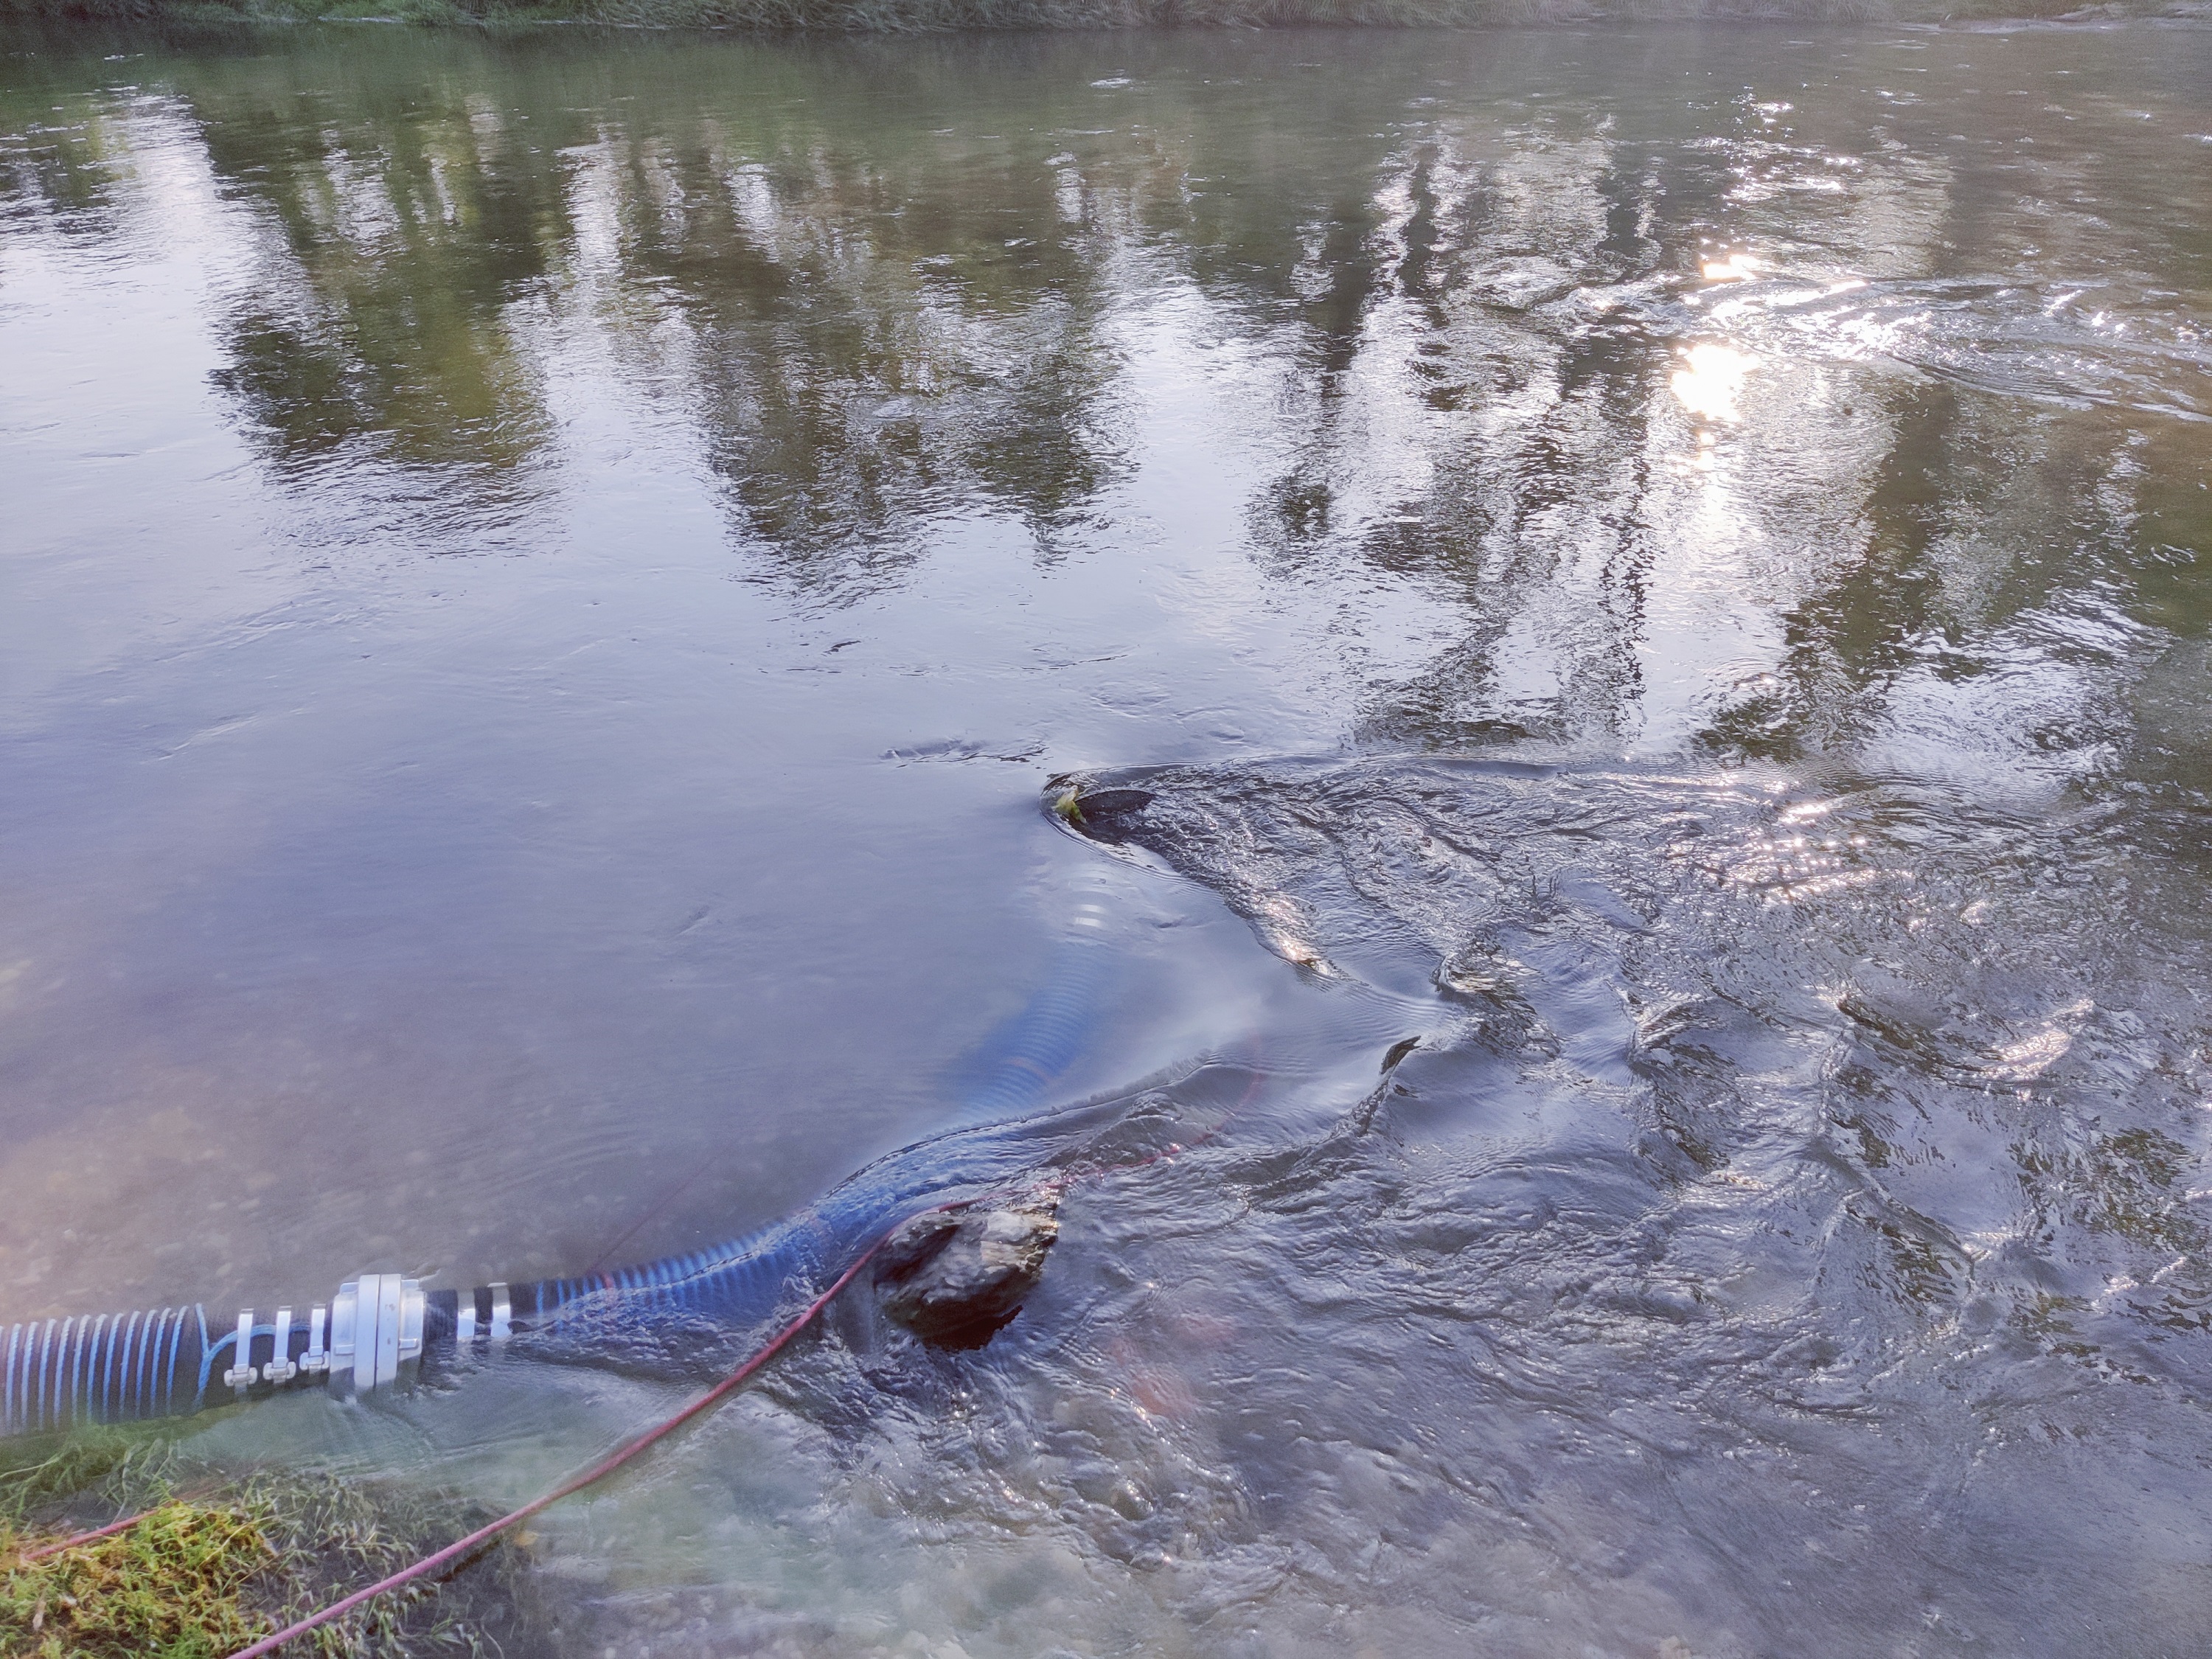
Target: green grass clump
<point>223,1555</point>
<point>174,1585</point>
<point>81,1464</point>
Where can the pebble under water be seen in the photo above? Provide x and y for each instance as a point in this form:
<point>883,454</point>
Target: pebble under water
<point>1619,620</point>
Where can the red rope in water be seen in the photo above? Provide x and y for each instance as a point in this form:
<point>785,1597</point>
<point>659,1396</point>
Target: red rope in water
<point>28,1557</point>
<point>93,1537</point>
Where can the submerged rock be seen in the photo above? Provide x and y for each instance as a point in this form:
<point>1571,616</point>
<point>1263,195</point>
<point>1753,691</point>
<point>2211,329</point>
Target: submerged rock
<point>956,1277</point>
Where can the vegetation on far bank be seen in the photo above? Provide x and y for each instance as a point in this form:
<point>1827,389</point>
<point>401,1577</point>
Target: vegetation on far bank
<point>913,16</point>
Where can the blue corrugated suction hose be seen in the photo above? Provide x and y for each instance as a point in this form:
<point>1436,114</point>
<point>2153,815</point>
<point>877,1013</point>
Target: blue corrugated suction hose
<point>106,1368</point>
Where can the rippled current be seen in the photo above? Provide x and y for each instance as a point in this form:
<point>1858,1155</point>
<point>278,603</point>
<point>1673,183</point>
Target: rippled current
<point>548,580</point>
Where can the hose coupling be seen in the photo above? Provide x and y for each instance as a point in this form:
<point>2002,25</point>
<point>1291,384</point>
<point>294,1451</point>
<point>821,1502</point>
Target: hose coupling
<point>376,1327</point>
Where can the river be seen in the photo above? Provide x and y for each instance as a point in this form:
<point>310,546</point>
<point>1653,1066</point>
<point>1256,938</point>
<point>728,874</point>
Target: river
<point>547,577</point>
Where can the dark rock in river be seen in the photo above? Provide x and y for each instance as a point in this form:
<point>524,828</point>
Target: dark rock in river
<point>1101,813</point>
<point>956,1277</point>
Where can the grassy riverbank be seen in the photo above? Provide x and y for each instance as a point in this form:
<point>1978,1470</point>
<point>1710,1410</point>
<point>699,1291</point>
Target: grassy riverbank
<point>220,1556</point>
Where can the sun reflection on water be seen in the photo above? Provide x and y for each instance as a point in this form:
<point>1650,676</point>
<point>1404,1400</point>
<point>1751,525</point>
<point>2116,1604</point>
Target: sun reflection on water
<point>1710,379</point>
<point>1737,267</point>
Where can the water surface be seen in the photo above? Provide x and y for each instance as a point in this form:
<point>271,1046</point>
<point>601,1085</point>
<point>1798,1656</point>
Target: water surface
<point>544,579</point>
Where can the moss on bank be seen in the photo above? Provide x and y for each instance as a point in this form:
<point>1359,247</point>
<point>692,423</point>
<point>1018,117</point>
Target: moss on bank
<point>174,1585</point>
<point>221,1557</point>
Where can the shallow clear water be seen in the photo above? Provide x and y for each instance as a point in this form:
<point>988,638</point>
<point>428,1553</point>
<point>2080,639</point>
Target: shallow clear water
<point>544,578</point>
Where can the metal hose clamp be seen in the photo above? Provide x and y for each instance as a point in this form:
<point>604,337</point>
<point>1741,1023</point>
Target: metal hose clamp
<point>316,1359</point>
<point>240,1371</point>
<point>280,1369</point>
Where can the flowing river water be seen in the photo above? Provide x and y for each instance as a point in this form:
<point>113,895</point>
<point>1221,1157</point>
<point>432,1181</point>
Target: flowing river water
<point>546,579</point>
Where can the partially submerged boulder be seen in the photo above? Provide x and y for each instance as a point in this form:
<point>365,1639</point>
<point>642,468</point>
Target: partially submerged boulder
<point>956,1277</point>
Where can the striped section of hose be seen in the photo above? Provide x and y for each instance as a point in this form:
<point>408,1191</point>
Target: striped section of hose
<point>101,1368</point>
<point>1032,1051</point>
<point>741,1285</point>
